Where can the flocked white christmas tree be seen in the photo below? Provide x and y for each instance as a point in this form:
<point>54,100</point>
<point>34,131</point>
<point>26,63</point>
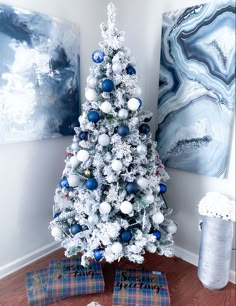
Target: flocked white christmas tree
<point>109,204</point>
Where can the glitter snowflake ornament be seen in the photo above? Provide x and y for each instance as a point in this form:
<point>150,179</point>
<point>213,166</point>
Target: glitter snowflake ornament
<point>111,181</point>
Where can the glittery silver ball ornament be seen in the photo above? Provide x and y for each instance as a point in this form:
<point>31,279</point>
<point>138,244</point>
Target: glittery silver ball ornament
<point>116,248</point>
<point>117,68</point>
<point>75,146</point>
<point>142,149</point>
<point>74,161</point>
<point>93,219</point>
<point>106,107</point>
<point>158,218</point>
<point>104,140</point>
<point>73,180</point>
<point>91,81</point>
<point>90,94</point>
<point>171,228</point>
<point>123,113</point>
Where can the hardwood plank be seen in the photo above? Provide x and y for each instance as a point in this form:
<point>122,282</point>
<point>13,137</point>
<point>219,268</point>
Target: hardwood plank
<point>184,285</point>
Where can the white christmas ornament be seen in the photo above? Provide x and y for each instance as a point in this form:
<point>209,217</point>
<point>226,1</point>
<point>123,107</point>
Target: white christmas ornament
<point>91,81</point>
<point>132,60</point>
<point>158,218</point>
<point>142,182</point>
<point>138,91</point>
<point>90,94</point>
<point>116,165</point>
<point>104,140</point>
<point>142,149</point>
<point>93,219</point>
<point>126,207</point>
<point>133,104</point>
<point>74,161</point>
<point>104,208</point>
<point>149,198</point>
<point>116,248</point>
<point>73,180</point>
<point>171,228</point>
<point>56,232</point>
<point>117,68</point>
<point>123,113</point>
<point>83,155</point>
<point>74,146</point>
<point>106,107</point>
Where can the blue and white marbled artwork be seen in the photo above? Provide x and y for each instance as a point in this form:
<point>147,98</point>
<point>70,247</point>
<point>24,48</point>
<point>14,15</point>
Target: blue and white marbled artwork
<point>197,88</point>
<point>39,76</point>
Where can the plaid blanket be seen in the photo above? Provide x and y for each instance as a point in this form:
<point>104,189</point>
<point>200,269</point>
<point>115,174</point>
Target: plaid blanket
<point>140,288</point>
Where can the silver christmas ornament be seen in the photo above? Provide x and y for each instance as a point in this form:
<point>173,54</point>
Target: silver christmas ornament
<point>106,107</point>
<point>117,68</point>
<point>90,94</point>
<point>142,149</point>
<point>83,155</point>
<point>104,140</point>
<point>92,82</point>
<point>123,113</point>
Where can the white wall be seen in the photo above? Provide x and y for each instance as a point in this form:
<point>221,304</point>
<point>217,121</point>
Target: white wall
<point>30,171</point>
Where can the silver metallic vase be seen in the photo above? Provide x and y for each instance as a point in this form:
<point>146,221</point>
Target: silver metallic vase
<point>215,252</point>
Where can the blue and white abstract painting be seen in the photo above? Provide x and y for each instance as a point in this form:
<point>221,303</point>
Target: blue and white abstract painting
<point>39,76</point>
<point>197,88</point>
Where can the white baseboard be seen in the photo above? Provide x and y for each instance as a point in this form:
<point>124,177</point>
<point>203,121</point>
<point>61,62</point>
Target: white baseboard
<point>193,259</point>
<point>28,259</point>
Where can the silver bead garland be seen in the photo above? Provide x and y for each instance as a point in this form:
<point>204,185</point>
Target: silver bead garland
<point>215,252</point>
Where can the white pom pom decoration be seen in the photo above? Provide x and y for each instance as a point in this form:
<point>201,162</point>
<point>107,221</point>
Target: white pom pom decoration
<point>90,94</point>
<point>104,208</point>
<point>158,218</point>
<point>117,68</point>
<point>142,149</point>
<point>116,165</point>
<point>73,180</point>
<point>91,81</point>
<point>123,113</point>
<point>116,248</point>
<point>142,182</point>
<point>83,155</point>
<point>104,140</point>
<point>74,161</point>
<point>106,107</point>
<point>126,207</point>
<point>56,232</point>
<point>133,104</point>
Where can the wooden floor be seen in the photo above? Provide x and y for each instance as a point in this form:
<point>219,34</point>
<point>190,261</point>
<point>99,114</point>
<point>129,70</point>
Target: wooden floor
<point>185,288</point>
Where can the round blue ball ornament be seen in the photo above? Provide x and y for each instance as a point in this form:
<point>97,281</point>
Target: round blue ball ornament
<point>123,130</point>
<point>107,85</point>
<point>140,102</point>
<point>130,70</point>
<point>163,188</point>
<point>144,128</point>
<point>91,184</point>
<point>126,236</point>
<point>75,228</point>
<point>93,116</point>
<point>98,254</point>
<point>132,188</point>
<point>98,56</point>
<point>57,215</point>
<point>64,183</point>
<point>157,234</point>
<point>83,135</point>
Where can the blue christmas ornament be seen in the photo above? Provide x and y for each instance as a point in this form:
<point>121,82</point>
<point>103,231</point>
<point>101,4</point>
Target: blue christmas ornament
<point>98,56</point>
<point>130,70</point>
<point>93,116</point>
<point>144,128</point>
<point>107,85</point>
<point>140,102</point>
<point>132,188</point>
<point>157,234</point>
<point>98,254</point>
<point>64,183</point>
<point>57,215</point>
<point>123,130</point>
<point>163,188</point>
<point>75,228</point>
<point>148,119</point>
<point>126,236</point>
<point>91,184</point>
<point>83,135</point>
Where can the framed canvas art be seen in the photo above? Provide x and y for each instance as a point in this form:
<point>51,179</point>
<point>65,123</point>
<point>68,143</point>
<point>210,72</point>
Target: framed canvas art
<point>197,88</point>
<point>39,76</point>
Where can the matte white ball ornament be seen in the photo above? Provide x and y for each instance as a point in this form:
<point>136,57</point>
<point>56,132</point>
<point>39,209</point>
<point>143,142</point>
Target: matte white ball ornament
<point>133,104</point>
<point>104,208</point>
<point>123,113</point>
<point>142,182</point>
<point>106,107</point>
<point>171,228</point>
<point>126,207</point>
<point>117,68</point>
<point>142,149</point>
<point>158,218</point>
<point>83,155</point>
<point>74,146</point>
<point>90,94</point>
<point>56,232</point>
<point>116,165</point>
<point>91,81</point>
<point>149,198</point>
<point>116,248</point>
<point>74,161</point>
<point>93,219</point>
<point>104,140</point>
<point>138,91</point>
<point>73,180</point>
